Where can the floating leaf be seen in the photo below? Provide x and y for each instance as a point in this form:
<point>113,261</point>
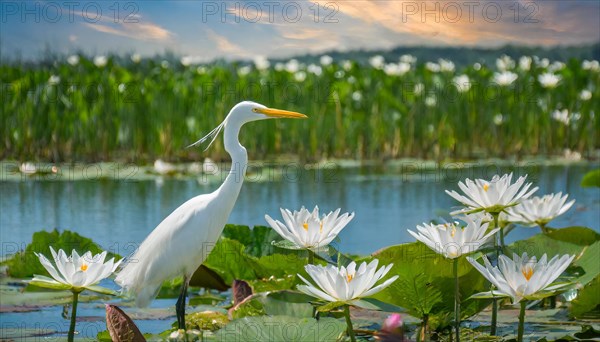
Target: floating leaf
<point>591,179</point>
<point>587,300</point>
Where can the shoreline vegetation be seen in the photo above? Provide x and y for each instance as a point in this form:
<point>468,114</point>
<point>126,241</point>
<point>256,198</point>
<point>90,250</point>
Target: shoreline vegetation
<point>271,170</point>
<point>102,108</point>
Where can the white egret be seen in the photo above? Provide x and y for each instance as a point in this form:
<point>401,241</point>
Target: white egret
<point>182,241</point>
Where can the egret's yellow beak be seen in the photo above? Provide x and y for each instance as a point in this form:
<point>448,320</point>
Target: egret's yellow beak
<point>278,113</point>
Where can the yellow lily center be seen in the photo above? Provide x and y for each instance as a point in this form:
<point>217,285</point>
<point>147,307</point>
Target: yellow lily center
<point>305,226</point>
<point>486,187</point>
<point>453,231</point>
<point>83,267</point>
<point>349,277</point>
<point>321,228</point>
<point>527,272</point>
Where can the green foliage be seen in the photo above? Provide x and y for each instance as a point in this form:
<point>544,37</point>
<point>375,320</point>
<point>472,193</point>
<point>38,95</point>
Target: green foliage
<point>287,303</point>
<point>205,320</point>
<point>257,240</point>
<point>281,328</point>
<point>25,264</point>
<point>229,260</point>
<point>588,300</point>
<point>591,179</point>
<point>426,281</point>
<point>143,109</point>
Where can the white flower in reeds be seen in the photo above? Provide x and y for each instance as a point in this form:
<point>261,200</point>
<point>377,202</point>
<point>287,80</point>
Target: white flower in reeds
<point>292,66</point>
<point>542,63</point>
<point>100,61</point>
<point>477,66</point>
<point>314,69</point>
<point>73,60</point>
<point>446,65</point>
<point>408,59</point>
<point>498,119</point>
<point>345,284</point>
<point>525,63</point>
<point>556,66</point>
<point>261,63</point>
<point>462,83</point>
<point>54,80</point>
<point>430,101</point>
<point>453,239</point>
<point>75,272</point>
<point>504,78</point>
<point>492,196</point>
<point>347,65</point>
<point>307,230</point>
<point>300,76</point>
<point>357,96</point>
<point>325,60</point>
<point>585,95</point>
<point>549,80</point>
<point>393,69</point>
<point>377,61</point>
<point>419,87</point>
<point>541,210</point>
<point>523,277</point>
<point>590,65</point>
<point>136,58</point>
<point>243,71</point>
<point>433,67</point>
<point>562,116</point>
<point>505,63</point>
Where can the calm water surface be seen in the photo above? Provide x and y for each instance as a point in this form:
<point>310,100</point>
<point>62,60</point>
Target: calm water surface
<point>119,214</point>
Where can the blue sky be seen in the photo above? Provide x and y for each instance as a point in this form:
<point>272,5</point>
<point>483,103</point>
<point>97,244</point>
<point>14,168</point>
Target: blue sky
<point>243,29</point>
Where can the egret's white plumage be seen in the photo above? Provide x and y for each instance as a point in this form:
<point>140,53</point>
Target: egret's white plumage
<point>183,240</point>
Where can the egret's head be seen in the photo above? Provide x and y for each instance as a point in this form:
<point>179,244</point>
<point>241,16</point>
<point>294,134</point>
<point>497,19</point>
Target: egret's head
<point>251,111</point>
<point>245,112</point>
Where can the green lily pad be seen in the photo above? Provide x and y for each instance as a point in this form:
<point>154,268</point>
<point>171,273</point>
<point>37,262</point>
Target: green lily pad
<point>281,328</point>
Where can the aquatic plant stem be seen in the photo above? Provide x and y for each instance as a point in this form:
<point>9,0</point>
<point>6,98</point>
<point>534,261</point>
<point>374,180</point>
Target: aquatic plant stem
<point>311,257</point>
<point>349,328</point>
<point>521,322</point>
<point>71,335</point>
<point>543,228</point>
<point>456,301</point>
<point>494,322</point>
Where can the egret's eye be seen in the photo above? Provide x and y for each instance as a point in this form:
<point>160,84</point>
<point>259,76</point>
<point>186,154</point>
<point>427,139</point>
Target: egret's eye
<point>255,110</point>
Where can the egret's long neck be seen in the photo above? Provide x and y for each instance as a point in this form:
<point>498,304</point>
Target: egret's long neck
<point>239,162</point>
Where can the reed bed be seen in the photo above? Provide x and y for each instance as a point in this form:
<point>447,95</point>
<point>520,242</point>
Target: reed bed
<point>111,108</point>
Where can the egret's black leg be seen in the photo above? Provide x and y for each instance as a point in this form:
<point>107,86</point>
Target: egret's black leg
<point>180,305</point>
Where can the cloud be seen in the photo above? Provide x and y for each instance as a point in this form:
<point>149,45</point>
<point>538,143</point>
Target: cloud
<point>484,23</point>
<point>139,30</point>
<point>224,45</point>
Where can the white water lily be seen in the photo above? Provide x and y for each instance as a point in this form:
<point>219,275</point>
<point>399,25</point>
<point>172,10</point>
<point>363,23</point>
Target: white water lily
<point>75,272</point>
<point>540,210</point>
<point>345,284</point>
<point>523,278</point>
<point>504,78</point>
<point>492,196</point>
<point>306,230</point>
<point>453,240</point>
<point>549,80</point>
